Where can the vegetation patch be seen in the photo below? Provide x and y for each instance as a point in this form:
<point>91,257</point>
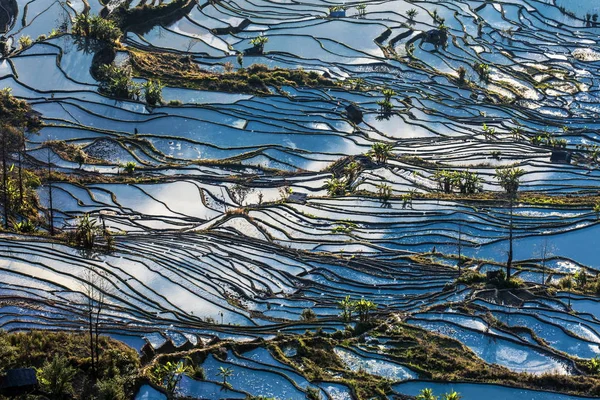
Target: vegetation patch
<point>63,364</point>
<point>182,71</point>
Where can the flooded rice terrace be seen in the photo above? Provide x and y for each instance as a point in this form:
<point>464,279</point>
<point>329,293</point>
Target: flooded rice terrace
<point>315,196</point>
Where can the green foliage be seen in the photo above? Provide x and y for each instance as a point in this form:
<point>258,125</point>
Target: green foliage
<point>198,373</point>
<point>407,199</point>
<point>347,306</point>
<point>388,93</point>
<point>363,308</point>
<point>412,13</point>
<point>337,8</point>
<point>343,227</point>
<point>153,91</point>
<point>25,226</point>
<point>118,82</point>
<point>313,393</point>
<point>36,349</point>
<point>96,27</point>
<point>380,152</point>
<point>426,394</point>
<point>549,139</point>
<point>259,42</point>
<point>467,182</point>
<point>471,277</point>
<point>566,282</point>
<point>111,389</point>
<point>384,191</point>
<point>56,377</point>
<point>129,167</point>
<point>488,131</point>
<point>336,187</point>
<point>351,170</point>
<point>362,9</point>
<point>483,70</point>
<point>16,113</point>
<point>510,179</point>
<point>594,365</point>
<point>385,105</point>
<point>580,278</point>
<point>451,396</point>
<point>25,41</point>
<point>308,315</point>
<point>225,373</point>
<point>462,73</point>
<point>86,231</point>
<point>169,375</point>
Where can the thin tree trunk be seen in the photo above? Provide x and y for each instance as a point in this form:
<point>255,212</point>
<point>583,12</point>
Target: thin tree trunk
<point>96,332</point>
<point>50,199</point>
<point>5,179</point>
<point>91,329</point>
<point>21,151</point>
<point>459,247</point>
<point>510,241</point>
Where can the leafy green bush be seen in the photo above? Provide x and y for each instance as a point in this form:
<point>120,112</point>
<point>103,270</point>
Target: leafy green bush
<point>118,82</point>
<point>56,376</point>
<point>153,91</point>
<point>96,27</point>
<point>308,315</point>
<point>111,389</point>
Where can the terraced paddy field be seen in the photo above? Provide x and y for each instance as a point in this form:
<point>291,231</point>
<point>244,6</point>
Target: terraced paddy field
<point>325,200</point>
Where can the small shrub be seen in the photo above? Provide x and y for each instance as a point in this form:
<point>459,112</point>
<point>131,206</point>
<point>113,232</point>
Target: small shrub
<point>118,82</point>
<point>111,389</point>
<point>308,315</point>
<point>313,394</point>
<point>462,73</point>
<point>255,80</point>
<point>153,92</point>
<point>56,376</point>
<point>96,27</point>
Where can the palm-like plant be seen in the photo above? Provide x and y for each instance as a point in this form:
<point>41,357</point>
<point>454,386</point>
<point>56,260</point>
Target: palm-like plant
<point>426,394</point>
<point>129,167</point>
<point>363,308</point>
<point>388,93</point>
<point>412,13</point>
<point>335,187</point>
<point>451,396</point>
<point>384,191</point>
<point>169,375</point>
<point>594,365</point>
<point>86,231</point>
<point>225,373</point>
<point>259,42</point>
<point>380,152</point>
<point>346,306</point>
<point>362,9</point>
<point>469,182</point>
<point>488,131</point>
<point>351,170</point>
<point>153,91</point>
<point>510,179</point>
